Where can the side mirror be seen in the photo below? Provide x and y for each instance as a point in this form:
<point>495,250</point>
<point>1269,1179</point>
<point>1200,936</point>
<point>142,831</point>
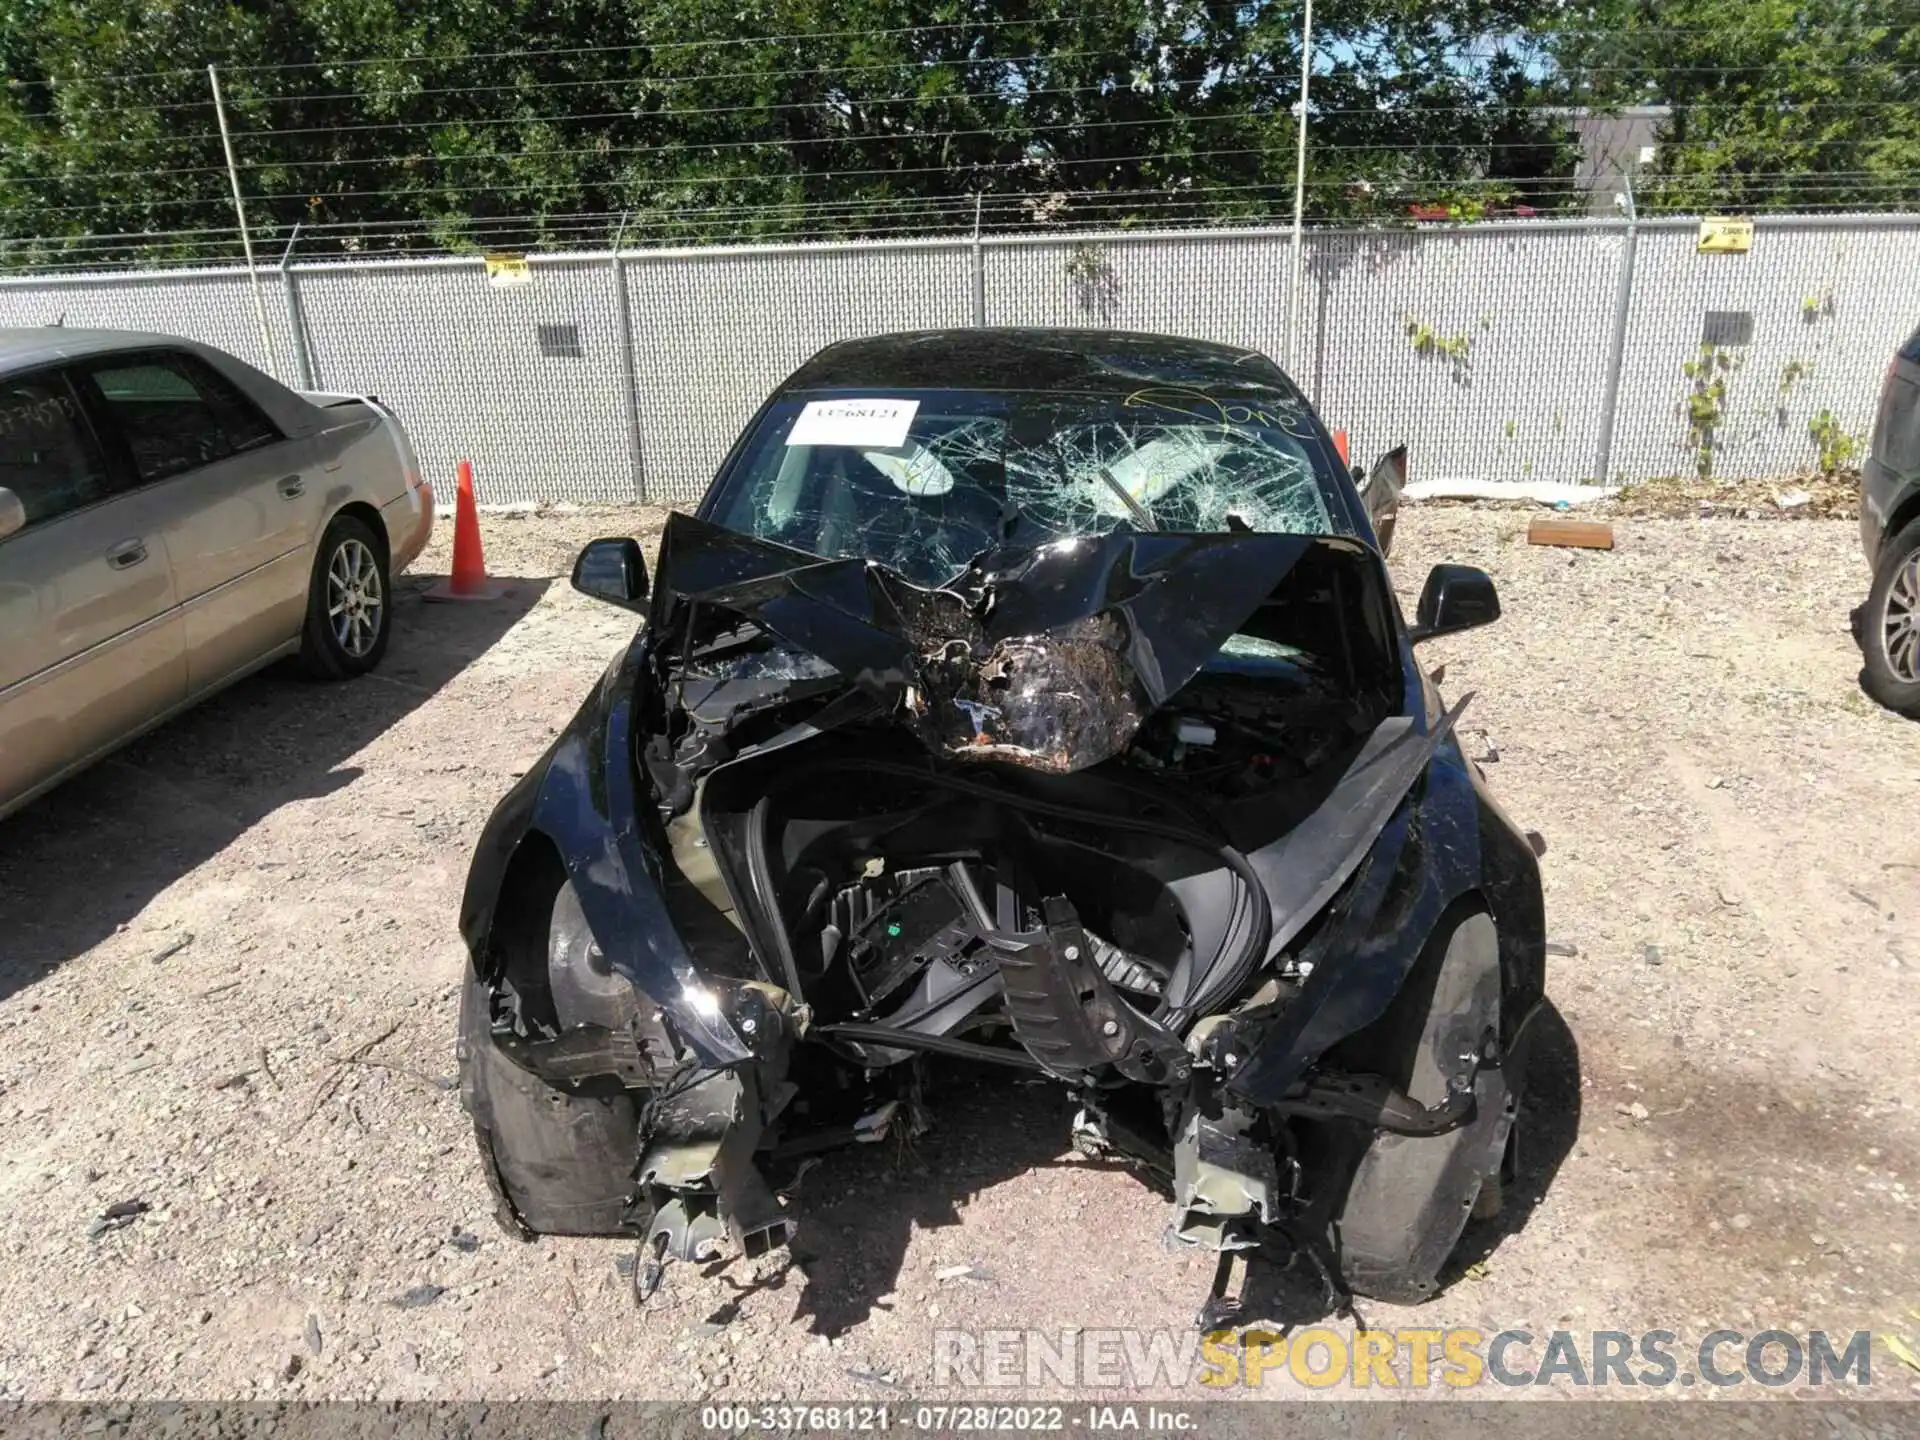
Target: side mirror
<point>13,515</point>
<point>1381,492</point>
<point>1456,597</point>
<point>613,570</point>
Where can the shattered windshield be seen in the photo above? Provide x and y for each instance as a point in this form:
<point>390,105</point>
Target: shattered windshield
<point>924,480</point>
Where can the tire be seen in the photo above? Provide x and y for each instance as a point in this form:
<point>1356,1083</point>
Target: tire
<point>558,1162</point>
<point>1410,1197</point>
<point>1890,626</point>
<point>350,570</point>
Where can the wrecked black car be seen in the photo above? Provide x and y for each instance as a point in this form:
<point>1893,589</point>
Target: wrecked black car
<point>1036,698</point>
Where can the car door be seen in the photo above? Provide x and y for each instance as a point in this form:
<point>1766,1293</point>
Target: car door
<point>238,509</point>
<point>90,637</point>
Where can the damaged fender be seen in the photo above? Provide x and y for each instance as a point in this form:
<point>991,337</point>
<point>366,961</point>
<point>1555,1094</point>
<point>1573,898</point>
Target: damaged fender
<point>581,796</point>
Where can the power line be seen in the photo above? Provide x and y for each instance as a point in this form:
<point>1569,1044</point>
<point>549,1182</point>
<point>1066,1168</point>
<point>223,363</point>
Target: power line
<point>371,248</point>
<point>242,101</point>
<point>121,108</point>
<point>792,211</point>
<point>964,26</point>
<point>1538,47</point>
<point>461,58</point>
<point>1487,112</point>
<point>998,206</point>
<point>1016,97</point>
<point>1343,182</point>
<point>711,78</point>
<point>618,183</point>
<point>902,137</point>
<point>1551,36</point>
<point>1476,109</point>
<point>721,178</point>
<point>802,235</point>
<point>681,147</point>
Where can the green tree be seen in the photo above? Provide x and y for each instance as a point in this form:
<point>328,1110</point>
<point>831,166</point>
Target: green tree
<point>440,123</point>
<point>1774,104</point>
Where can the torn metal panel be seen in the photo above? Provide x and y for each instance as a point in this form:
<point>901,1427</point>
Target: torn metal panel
<point>1226,1181</point>
<point>1049,657</point>
<point>699,1174</point>
<point>1386,484</point>
<point>1069,1017</point>
<point>1058,702</point>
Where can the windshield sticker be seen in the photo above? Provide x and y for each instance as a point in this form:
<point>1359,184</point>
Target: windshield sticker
<point>865,424</point>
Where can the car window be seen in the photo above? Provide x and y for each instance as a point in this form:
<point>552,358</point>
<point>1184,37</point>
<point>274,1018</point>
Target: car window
<point>245,425</point>
<point>177,414</point>
<point>1911,350</point>
<point>48,457</point>
<point>924,481</point>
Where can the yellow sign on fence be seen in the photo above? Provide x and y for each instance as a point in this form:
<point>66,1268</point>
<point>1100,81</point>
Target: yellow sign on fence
<point>1720,235</point>
<point>505,270</point>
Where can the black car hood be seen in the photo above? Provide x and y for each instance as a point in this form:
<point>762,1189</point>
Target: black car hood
<point>1047,656</point>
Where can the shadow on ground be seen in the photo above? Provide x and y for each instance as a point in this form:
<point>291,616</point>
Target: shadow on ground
<point>859,1207</point>
<point>1549,1126</point>
<point>88,856</point>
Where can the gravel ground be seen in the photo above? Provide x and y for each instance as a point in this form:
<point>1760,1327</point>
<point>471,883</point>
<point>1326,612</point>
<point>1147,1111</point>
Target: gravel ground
<point>228,978</point>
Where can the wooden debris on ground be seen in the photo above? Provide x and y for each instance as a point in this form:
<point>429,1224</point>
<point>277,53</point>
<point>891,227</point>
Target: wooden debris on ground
<point>1586,534</point>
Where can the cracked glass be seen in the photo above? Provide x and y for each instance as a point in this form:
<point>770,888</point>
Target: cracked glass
<point>982,469</point>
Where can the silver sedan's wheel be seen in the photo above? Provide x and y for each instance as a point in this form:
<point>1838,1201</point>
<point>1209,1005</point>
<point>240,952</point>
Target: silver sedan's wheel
<point>356,597</point>
<point>349,602</point>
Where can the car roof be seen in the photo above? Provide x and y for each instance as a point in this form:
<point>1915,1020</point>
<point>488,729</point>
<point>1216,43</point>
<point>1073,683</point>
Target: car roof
<point>1082,361</point>
<point>36,344</point>
<point>23,348</point>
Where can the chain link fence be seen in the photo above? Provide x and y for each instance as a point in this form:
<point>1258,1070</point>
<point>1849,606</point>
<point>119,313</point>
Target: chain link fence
<point>1543,349</point>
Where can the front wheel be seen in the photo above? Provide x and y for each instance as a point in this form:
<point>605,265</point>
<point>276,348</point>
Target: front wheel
<point>559,1160</point>
<point>349,610</point>
<point>1890,626</point>
<point>1411,1196</point>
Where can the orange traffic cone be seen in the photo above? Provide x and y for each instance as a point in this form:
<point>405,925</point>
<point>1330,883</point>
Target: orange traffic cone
<point>469,578</point>
<point>1340,444</point>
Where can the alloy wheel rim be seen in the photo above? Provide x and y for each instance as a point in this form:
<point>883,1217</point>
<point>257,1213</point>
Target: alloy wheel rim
<point>355,601</point>
<point>1900,625</point>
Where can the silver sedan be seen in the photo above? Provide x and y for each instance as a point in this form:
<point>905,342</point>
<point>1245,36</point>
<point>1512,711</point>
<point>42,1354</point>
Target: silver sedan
<point>171,519</point>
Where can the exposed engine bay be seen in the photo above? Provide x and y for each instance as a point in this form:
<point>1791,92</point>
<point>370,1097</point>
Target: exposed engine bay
<point>1164,817</point>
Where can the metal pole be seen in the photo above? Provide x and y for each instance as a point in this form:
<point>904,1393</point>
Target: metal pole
<point>1299,189</point>
<point>979,269</point>
<point>240,214</point>
<point>1622,305</point>
<point>296,317</point>
<point>629,383</point>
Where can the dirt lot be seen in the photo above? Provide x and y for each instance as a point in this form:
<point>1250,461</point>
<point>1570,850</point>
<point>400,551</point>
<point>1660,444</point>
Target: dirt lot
<point>228,974</point>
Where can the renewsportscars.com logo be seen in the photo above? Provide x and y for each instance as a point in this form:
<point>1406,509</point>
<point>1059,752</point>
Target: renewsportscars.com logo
<point>1321,1357</point>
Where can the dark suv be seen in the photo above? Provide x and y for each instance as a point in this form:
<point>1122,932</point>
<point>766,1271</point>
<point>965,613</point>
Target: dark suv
<point>1889,623</point>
